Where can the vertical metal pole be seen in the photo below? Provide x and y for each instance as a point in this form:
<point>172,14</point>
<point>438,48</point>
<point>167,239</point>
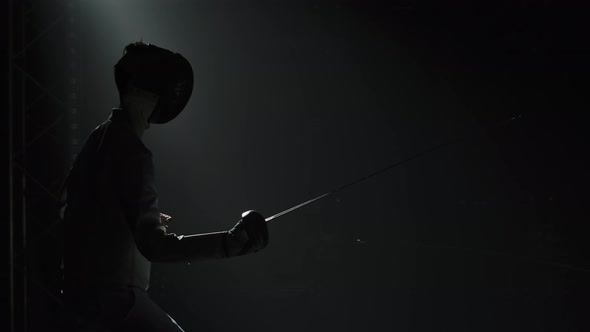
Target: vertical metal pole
<point>23,143</point>
<point>10,161</point>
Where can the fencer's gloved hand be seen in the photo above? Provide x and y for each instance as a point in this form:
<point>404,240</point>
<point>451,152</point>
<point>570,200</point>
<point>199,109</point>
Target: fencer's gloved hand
<point>249,235</point>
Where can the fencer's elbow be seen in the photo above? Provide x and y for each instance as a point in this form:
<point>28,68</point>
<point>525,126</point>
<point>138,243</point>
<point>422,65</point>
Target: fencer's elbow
<point>147,250</point>
<point>149,244</point>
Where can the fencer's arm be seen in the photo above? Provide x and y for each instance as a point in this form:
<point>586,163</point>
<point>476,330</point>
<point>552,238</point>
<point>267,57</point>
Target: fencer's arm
<point>248,236</point>
<point>140,202</point>
<point>157,245</point>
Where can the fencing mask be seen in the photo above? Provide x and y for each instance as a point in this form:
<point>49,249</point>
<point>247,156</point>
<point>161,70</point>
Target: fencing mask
<point>162,72</point>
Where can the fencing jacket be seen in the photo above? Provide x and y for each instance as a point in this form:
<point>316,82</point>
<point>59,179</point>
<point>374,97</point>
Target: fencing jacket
<point>112,223</point>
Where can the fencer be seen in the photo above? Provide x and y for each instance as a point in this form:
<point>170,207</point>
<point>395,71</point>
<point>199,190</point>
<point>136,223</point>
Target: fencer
<point>113,228</point>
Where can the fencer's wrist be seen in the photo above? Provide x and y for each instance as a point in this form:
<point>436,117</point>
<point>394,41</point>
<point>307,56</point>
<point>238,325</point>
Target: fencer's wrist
<point>235,240</point>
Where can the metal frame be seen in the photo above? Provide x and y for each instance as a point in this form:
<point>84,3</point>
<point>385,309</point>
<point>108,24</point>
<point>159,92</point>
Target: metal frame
<point>28,130</point>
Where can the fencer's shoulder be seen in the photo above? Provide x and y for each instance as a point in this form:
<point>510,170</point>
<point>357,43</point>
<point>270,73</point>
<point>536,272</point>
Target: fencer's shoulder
<point>131,145</point>
<point>117,137</point>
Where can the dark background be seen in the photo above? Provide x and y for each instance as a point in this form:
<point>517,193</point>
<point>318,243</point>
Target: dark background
<point>295,98</point>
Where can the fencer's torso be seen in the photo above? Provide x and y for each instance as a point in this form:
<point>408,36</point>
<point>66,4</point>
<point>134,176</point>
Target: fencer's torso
<point>105,198</point>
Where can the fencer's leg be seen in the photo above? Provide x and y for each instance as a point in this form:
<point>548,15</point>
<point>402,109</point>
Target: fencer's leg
<point>146,315</point>
<point>174,322</point>
<point>94,310</point>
